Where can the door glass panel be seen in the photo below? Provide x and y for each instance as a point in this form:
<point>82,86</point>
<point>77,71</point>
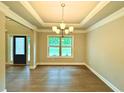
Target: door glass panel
<point>20,46</point>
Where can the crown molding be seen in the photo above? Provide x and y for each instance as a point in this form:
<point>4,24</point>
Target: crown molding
<point>9,13</point>
<point>4,30</point>
<point>98,8</point>
<point>31,10</point>
<point>58,24</point>
<point>50,31</point>
<point>108,19</point>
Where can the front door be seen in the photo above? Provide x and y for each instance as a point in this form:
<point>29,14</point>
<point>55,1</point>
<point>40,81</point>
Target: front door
<point>19,50</point>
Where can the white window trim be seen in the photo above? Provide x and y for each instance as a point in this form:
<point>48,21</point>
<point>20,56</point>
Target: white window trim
<point>60,56</point>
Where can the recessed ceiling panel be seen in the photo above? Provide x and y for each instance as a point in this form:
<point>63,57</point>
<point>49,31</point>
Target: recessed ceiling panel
<point>74,11</point>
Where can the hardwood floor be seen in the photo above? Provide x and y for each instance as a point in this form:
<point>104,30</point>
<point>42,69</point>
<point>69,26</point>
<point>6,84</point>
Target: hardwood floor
<point>53,79</point>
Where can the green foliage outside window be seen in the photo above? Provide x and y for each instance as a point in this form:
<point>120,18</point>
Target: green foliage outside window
<point>66,41</point>
<point>56,50</point>
<point>54,41</point>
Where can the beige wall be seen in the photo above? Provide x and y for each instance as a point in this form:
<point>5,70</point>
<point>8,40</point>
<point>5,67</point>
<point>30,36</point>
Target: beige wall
<point>105,51</point>
<point>79,49</point>
<point>2,52</point>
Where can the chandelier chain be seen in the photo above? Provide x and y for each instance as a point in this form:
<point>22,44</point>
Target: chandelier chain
<point>62,5</point>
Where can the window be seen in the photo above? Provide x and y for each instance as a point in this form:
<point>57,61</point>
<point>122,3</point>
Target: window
<point>60,46</point>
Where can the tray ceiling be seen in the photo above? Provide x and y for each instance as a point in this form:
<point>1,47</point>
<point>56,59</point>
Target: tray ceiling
<point>80,14</point>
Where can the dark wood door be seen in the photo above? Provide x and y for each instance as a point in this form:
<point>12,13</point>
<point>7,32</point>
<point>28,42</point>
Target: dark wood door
<point>19,49</point>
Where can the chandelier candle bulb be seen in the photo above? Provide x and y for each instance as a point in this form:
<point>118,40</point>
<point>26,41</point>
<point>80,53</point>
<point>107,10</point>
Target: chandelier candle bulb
<point>66,31</point>
<point>54,28</point>
<point>58,31</point>
<point>62,26</point>
<point>71,28</point>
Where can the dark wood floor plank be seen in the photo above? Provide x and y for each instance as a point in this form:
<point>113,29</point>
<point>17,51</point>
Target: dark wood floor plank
<point>53,79</point>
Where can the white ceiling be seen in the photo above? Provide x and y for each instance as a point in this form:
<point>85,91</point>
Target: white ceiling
<point>74,12</point>
<point>80,14</point>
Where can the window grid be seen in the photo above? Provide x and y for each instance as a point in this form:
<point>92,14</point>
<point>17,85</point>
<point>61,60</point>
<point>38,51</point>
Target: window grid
<point>61,47</point>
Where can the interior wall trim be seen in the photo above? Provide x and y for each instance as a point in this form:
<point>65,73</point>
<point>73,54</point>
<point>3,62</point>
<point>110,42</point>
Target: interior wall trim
<point>106,20</point>
<point>31,10</point>
<point>33,67</point>
<point>113,87</point>
<point>9,63</point>
<point>61,63</point>
<point>50,31</point>
<point>5,90</point>
<point>5,30</point>
<point>9,13</point>
<point>98,8</point>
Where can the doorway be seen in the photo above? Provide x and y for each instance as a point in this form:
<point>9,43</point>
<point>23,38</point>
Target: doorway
<point>11,48</point>
<point>19,49</point>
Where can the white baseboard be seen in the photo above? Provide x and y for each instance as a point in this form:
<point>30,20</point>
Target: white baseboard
<point>5,90</point>
<point>33,67</point>
<point>81,63</point>
<point>103,79</point>
<point>61,63</point>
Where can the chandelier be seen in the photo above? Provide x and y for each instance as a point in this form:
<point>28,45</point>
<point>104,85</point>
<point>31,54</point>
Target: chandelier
<point>62,29</point>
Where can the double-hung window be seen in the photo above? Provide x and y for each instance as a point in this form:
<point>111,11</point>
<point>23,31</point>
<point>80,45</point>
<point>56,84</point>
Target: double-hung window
<point>60,46</point>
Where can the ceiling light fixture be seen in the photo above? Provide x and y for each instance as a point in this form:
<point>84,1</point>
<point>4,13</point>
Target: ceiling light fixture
<point>62,29</point>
